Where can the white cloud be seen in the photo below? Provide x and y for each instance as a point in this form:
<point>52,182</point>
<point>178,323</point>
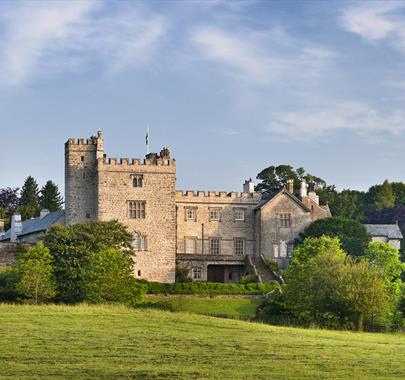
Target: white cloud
<point>377,22</point>
<point>341,116</point>
<point>260,57</point>
<point>57,36</point>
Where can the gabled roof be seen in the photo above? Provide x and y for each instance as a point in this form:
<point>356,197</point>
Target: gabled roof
<point>36,225</point>
<point>267,197</point>
<point>391,231</point>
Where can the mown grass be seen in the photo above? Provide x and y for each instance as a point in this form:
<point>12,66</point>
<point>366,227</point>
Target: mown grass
<point>243,308</point>
<point>117,342</point>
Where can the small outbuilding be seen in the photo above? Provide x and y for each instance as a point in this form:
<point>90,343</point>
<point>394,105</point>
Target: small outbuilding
<point>386,233</point>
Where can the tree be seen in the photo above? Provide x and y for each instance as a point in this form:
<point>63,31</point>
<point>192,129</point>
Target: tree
<point>108,277</point>
<point>9,198</point>
<point>35,273</point>
<point>381,196</point>
<point>387,259</point>
<point>72,247</point>
<point>50,197</point>
<point>352,234</point>
<point>273,178</point>
<point>348,204</point>
<point>325,286</point>
<point>29,200</point>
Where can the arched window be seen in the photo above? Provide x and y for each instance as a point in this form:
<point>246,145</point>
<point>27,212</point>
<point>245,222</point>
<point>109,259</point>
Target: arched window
<point>139,242</point>
<point>137,181</point>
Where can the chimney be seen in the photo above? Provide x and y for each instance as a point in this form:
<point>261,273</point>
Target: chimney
<point>44,212</point>
<point>1,227</point>
<point>290,186</point>
<point>312,194</point>
<point>249,186</point>
<point>16,227</point>
<point>303,189</point>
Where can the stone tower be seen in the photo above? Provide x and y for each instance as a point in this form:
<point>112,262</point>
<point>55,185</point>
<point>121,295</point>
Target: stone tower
<point>81,178</point>
<point>140,194</point>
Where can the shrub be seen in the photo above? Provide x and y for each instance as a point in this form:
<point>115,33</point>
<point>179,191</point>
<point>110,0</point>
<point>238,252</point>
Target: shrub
<point>249,279</point>
<point>8,283</point>
<point>182,274</point>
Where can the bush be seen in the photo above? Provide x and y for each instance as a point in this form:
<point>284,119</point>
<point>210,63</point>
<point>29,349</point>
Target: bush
<point>273,266</point>
<point>8,282</point>
<point>209,288</point>
<point>249,279</point>
<point>182,274</point>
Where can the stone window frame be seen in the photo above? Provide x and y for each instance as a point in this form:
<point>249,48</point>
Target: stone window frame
<point>211,240</point>
<point>237,240</point>
<point>284,220</point>
<point>140,242</point>
<point>212,210</point>
<point>196,273</point>
<point>190,208</point>
<point>136,209</point>
<point>190,238</point>
<point>137,180</point>
<point>238,209</point>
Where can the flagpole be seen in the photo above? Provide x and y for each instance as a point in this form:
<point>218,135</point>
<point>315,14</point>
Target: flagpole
<point>147,140</point>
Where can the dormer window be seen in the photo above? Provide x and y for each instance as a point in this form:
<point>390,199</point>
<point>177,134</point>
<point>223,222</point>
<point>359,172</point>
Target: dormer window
<point>137,180</point>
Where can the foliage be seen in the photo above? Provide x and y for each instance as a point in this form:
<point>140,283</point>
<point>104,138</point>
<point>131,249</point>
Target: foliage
<point>8,282</point>
<point>273,178</point>
<point>326,287</point>
<point>381,196</point>
<point>209,288</point>
<point>108,278</point>
<point>348,204</point>
<point>182,274</point>
<point>249,279</point>
<point>273,266</point>
<point>387,259</point>
<point>35,274</point>
<point>50,197</point>
<point>352,234</point>
<point>29,200</point>
<point>73,246</point>
<point>9,197</point>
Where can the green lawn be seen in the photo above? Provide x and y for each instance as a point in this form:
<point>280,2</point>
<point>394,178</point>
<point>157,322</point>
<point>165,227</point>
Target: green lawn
<point>116,342</point>
<point>239,307</point>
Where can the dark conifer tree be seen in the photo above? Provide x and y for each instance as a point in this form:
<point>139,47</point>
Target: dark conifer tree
<point>29,200</point>
<point>50,197</point>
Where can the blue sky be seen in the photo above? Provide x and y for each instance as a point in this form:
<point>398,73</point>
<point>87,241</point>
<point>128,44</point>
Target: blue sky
<point>230,87</point>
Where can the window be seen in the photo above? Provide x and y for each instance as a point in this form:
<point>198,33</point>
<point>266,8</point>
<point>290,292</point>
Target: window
<point>290,249</point>
<point>137,180</point>
<point>190,245</point>
<point>284,220</point>
<point>230,276</point>
<point>197,273</point>
<point>191,213</point>
<point>82,158</point>
<point>276,250</point>
<point>136,209</point>
<point>139,242</point>
<point>239,214</point>
<point>214,213</point>
<point>283,249</point>
<point>139,273</point>
<point>239,246</point>
<point>214,246</point>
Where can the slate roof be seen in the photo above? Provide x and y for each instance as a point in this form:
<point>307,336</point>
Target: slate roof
<point>36,225</point>
<point>391,231</point>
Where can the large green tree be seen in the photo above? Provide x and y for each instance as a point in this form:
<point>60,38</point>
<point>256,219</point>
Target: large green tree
<point>381,196</point>
<point>73,246</point>
<point>35,274</point>
<point>352,234</point>
<point>29,199</point>
<point>273,178</point>
<point>107,277</point>
<point>327,287</point>
<point>50,197</point>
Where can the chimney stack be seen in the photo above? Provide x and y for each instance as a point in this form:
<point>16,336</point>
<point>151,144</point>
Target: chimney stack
<point>44,212</point>
<point>249,186</point>
<point>1,227</point>
<point>16,227</point>
<point>290,186</point>
<point>303,189</point>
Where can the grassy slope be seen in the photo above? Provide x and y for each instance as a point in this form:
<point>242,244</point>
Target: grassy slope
<point>237,307</point>
<point>113,342</point>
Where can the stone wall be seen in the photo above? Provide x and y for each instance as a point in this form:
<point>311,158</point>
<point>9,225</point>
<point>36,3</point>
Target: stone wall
<point>226,228</point>
<point>7,253</point>
<point>115,189</point>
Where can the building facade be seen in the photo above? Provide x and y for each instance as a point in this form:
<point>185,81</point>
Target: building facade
<point>215,236</point>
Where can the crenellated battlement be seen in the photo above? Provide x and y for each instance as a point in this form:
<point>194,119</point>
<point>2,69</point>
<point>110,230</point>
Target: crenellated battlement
<point>90,141</point>
<point>190,195</point>
<point>131,162</point>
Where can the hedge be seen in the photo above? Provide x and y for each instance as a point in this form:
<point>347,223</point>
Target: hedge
<point>209,288</point>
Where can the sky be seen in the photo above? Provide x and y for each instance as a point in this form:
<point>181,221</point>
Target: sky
<point>231,87</point>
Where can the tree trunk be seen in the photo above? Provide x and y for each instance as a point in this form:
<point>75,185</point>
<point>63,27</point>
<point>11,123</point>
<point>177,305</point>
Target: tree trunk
<point>359,322</point>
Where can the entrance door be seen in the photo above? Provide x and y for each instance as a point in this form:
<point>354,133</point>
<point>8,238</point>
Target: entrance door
<point>216,273</point>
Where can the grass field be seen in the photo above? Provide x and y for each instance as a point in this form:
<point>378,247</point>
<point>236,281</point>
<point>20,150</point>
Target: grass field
<point>244,308</point>
<point>116,342</point>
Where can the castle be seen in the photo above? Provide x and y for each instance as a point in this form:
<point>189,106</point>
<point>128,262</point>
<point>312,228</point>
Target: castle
<point>215,236</point>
